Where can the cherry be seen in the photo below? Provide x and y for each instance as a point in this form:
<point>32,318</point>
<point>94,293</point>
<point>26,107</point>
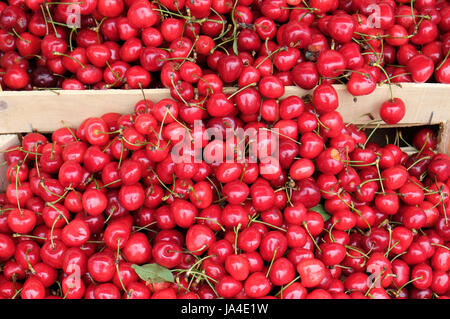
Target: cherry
<point>101,266</point>
<point>106,291</point>
<point>21,221</point>
<point>33,289</point>
<point>73,288</point>
<point>273,245</point>
<point>311,271</point>
<point>422,274</point>
<point>237,266</point>
<point>184,213</point>
<point>131,196</point>
<point>330,63</point>
<point>8,247</point>
<point>236,192</point>
<point>199,238</point>
<point>262,196</point>
<point>228,287</point>
<point>74,261</point>
<point>167,254</point>
<point>420,67</point>
<point>392,111</point>
<point>361,82</point>
<point>282,272</point>
<point>249,239</point>
<point>110,8</point>
<point>305,75</point>
<point>16,78</point>
<point>230,68</point>
<point>52,251</point>
<point>325,98</point>
<point>257,285</point>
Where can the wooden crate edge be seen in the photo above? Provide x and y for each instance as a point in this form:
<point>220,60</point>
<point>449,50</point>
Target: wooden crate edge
<point>6,141</point>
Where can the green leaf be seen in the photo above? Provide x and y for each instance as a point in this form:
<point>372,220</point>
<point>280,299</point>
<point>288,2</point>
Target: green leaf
<point>153,272</point>
<point>321,210</point>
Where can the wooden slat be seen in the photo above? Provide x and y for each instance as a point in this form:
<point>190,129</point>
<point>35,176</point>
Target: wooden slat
<point>44,111</point>
<point>6,141</point>
<point>444,138</point>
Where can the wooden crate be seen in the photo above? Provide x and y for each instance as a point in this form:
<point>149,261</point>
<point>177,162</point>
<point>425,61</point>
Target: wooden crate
<point>45,111</point>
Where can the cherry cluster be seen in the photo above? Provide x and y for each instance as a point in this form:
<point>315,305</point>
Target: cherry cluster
<point>97,44</point>
<point>108,210</point>
<point>217,192</point>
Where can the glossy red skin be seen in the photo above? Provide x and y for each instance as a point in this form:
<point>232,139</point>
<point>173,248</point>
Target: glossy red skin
<point>393,111</point>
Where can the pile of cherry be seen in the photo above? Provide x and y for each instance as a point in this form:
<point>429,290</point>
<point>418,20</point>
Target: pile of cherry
<point>105,210</point>
<point>99,44</point>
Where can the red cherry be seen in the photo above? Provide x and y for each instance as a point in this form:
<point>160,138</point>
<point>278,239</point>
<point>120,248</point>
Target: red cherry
<point>311,271</point>
<point>257,285</point>
<point>230,68</point>
<point>421,68</point>
<point>199,238</point>
<point>33,288</point>
<point>21,221</point>
<point>392,111</point>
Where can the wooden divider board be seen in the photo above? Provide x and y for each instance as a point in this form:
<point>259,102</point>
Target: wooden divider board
<point>44,111</point>
<point>444,138</point>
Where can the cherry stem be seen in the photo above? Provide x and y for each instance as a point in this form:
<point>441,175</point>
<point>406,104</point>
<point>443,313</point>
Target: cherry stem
<point>223,22</point>
<point>377,165</point>
<point>177,92</point>
<point>271,262</point>
<point>16,294</point>
<point>211,220</point>
<point>110,215</point>
<point>241,89</point>
<point>443,61</point>
<point>287,285</point>
<point>52,22</point>
<point>280,134</point>
<point>17,35</point>
<point>409,282</point>
<point>374,282</point>
<point>45,18</point>
<point>370,180</point>
<point>269,225</point>
<point>394,76</point>
<point>219,194</point>
<point>17,181</point>
<point>288,196</point>
<point>310,235</point>
<point>357,250</point>
<point>120,277</point>
<point>236,233</point>
<point>269,55</point>
<point>400,136</point>
<point>51,232</point>
<point>439,245</point>
<point>390,247</point>
<point>370,135</point>
<point>388,79</point>
<point>418,161</point>
<point>366,75</point>
<point>164,185</point>
<point>235,25</point>
<point>396,256</point>
<point>15,235</point>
